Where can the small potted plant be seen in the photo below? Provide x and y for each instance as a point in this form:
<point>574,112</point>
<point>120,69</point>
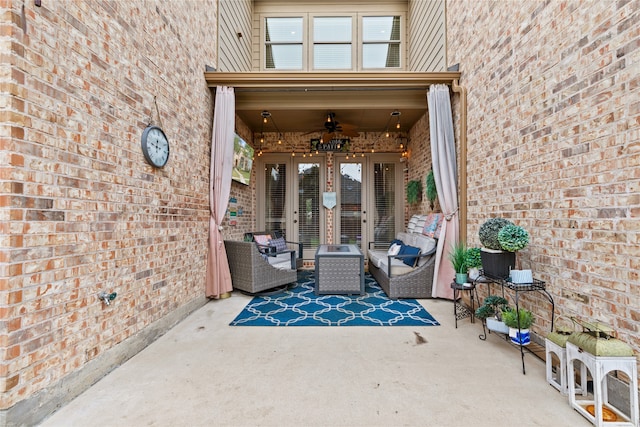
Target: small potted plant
<point>458,258</point>
<point>474,262</point>
<point>519,323</point>
<point>491,312</point>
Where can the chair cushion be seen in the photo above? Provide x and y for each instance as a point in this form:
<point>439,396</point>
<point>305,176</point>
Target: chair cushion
<point>410,250</point>
<point>279,244</point>
<point>426,244</point>
<point>398,267</point>
<point>281,261</point>
<point>376,257</point>
<point>404,237</point>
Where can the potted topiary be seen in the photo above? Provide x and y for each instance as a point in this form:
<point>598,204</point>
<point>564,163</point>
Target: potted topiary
<point>458,258</point>
<point>512,238</point>
<point>519,323</point>
<point>489,230</point>
<point>474,262</point>
<point>491,312</point>
<point>499,260</point>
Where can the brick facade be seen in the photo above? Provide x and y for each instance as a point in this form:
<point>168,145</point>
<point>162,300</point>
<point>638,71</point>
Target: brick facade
<point>81,210</point>
<point>554,144</point>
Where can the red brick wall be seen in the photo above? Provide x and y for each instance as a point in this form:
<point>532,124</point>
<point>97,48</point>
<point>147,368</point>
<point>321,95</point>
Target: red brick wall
<point>554,144</point>
<point>81,209</point>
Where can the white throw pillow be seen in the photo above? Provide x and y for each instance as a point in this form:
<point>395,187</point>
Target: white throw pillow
<point>394,249</point>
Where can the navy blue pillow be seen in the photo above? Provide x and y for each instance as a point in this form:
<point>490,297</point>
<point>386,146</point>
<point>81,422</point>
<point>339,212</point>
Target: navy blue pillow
<point>410,250</point>
<point>396,242</point>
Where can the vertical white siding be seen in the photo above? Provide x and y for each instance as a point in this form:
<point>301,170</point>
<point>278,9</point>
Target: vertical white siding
<point>427,35</point>
<point>235,52</point>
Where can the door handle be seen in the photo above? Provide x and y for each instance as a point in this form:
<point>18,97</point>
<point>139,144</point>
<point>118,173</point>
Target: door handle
<point>295,221</point>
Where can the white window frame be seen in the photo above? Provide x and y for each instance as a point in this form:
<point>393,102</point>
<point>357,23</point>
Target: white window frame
<point>361,40</point>
<point>354,40</point>
<point>263,42</point>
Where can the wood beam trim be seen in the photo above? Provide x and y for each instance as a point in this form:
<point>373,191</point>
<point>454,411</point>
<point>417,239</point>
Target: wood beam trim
<point>307,80</point>
<point>462,206</point>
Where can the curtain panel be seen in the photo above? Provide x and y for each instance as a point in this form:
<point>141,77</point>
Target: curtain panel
<point>445,172</point>
<point>218,276</point>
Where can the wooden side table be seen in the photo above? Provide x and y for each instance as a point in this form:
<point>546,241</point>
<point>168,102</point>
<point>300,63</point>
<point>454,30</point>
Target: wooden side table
<point>460,311</point>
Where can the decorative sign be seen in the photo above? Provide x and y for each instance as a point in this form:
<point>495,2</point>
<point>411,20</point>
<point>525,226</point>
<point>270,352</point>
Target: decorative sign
<point>233,211</point>
<point>329,200</point>
<point>335,144</point>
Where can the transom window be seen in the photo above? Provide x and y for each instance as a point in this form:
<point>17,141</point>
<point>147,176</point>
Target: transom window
<point>346,42</point>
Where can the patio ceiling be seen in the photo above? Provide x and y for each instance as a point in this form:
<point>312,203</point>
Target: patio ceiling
<point>299,102</point>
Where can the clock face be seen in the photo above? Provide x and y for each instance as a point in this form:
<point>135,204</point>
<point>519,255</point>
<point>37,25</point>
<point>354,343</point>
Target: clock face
<point>155,146</point>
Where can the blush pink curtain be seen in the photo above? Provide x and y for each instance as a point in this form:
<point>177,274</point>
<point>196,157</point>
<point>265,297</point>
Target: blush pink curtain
<point>218,280</point>
<point>445,172</point>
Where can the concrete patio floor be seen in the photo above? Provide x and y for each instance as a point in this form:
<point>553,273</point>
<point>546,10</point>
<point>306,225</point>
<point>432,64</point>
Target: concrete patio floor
<point>206,373</point>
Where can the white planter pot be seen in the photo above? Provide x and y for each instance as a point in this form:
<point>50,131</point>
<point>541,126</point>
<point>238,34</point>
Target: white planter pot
<point>521,276</point>
<point>520,337</point>
<point>497,325</point>
<point>474,273</point>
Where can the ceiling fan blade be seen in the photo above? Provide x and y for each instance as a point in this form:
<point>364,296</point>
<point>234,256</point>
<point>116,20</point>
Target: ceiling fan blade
<point>351,132</point>
<point>347,126</point>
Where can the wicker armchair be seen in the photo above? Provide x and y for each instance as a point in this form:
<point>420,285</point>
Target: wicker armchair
<point>251,273</point>
<point>296,246</point>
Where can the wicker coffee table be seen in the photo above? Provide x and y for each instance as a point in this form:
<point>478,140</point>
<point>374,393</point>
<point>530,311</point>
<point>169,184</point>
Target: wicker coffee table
<point>339,270</point>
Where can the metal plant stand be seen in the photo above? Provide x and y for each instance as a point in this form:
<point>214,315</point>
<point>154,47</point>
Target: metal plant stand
<point>516,289</point>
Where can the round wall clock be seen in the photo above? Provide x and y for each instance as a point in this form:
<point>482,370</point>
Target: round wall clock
<point>155,146</point>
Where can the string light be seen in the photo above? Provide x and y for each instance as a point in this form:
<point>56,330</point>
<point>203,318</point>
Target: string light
<point>396,114</point>
<point>265,119</point>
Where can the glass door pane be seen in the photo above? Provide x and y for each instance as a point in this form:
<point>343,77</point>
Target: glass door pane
<point>384,194</point>
<point>350,203</point>
<point>308,211</point>
<point>275,210</point>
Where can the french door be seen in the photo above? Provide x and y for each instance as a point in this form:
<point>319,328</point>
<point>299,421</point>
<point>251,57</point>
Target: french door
<point>289,191</point>
<point>369,199</point>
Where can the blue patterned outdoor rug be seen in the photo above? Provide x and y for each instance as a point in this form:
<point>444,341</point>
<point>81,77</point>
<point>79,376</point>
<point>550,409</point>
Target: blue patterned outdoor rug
<point>299,306</point>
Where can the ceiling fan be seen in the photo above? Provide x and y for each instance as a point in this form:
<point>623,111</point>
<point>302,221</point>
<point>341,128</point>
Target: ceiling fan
<point>333,127</point>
